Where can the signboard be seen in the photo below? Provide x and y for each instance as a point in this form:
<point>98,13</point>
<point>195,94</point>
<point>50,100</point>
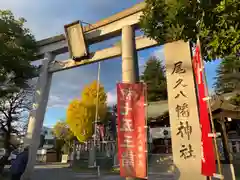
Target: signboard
<point>64,158</point>
<point>76,41</point>
<point>131,130</point>
<point>208,155</point>
<point>161,132</point>
<point>2,152</point>
<point>183,111</point>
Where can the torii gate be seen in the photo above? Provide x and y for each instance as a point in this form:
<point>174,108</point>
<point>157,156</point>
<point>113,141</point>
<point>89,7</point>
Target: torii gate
<point>124,24</point>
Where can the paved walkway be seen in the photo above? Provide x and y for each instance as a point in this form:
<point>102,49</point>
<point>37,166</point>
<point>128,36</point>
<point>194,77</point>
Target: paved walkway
<point>62,172</point>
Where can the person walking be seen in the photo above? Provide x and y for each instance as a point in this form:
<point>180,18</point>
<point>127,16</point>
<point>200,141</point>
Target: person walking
<point>18,165</point>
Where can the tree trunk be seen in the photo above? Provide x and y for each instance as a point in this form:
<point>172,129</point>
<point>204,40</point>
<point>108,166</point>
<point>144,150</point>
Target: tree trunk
<point>4,159</point>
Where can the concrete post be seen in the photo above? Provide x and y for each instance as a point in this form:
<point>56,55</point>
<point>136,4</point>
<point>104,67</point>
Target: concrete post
<point>37,113</point>
<point>130,72</point>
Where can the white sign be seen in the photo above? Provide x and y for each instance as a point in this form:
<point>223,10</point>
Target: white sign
<point>64,158</point>
<point>2,152</point>
<point>160,132</point>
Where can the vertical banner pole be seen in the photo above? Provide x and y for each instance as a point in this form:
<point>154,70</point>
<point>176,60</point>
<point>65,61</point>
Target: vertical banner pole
<point>96,113</point>
<point>210,114</point>
<point>146,124</point>
<point>92,153</point>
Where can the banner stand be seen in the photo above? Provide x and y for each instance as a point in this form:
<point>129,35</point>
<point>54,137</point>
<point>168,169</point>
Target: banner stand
<point>132,148</point>
<point>146,123</point>
<point>210,113</point>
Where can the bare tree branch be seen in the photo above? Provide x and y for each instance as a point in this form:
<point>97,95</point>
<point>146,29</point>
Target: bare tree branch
<point>14,108</point>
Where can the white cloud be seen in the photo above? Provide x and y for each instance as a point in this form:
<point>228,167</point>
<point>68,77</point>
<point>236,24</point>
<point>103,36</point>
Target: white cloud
<point>40,18</point>
<point>47,18</point>
<point>141,61</point>
<point>58,102</point>
<point>112,97</point>
<point>159,52</point>
<point>62,102</point>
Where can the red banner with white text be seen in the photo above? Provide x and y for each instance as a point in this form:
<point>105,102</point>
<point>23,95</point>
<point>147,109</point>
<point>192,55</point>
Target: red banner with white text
<point>131,130</point>
<point>208,155</point>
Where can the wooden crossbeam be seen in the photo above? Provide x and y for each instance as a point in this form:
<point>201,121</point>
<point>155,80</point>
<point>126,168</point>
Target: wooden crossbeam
<point>115,51</point>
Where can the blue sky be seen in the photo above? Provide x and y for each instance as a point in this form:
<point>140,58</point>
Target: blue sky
<point>46,18</point>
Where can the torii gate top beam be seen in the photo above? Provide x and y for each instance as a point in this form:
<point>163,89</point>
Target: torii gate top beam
<point>102,30</point>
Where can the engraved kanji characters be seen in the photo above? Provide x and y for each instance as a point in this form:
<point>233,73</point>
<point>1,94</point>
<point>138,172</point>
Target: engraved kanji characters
<point>178,83</point>
<point>182,110</point>
<point>178,68</point>
<point>184,129</point>
<point>186,151</point>
<point>179,94</point>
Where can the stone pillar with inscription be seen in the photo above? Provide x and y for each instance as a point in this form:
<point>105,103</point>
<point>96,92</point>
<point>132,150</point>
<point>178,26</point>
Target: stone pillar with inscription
<point>129,58</point>
<point>183,111</point>
<point>37,113</point>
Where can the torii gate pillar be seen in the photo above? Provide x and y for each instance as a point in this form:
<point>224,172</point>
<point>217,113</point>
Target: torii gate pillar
<point>37,113</point>
<point>130,72</point>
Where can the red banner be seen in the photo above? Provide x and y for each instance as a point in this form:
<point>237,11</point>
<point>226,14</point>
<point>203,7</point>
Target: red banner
<point>208,157</point>
<point>131,130</point>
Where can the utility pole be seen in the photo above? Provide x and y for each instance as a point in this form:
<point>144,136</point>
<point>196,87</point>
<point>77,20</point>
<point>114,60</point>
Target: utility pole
<point>92,154</point>
<point>130,72</point>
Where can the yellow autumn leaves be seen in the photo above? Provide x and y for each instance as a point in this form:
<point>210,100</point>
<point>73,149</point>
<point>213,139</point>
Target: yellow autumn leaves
<point>81,112</point>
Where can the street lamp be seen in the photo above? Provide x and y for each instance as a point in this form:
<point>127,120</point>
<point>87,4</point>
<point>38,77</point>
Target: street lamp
<point>76,41</point>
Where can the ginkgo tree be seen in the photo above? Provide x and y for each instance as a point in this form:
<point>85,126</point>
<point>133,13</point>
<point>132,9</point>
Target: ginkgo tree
<point>64,138</point>
<point>62,131</point>
<point>80,117</point>
<point>89,96</point>
<point>81,112</point>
